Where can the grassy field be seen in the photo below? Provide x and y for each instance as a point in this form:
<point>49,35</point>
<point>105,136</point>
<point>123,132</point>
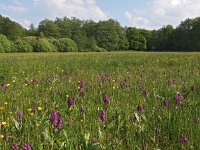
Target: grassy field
<point>100,101</point>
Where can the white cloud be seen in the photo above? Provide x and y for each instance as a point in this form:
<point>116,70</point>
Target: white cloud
<point>163,12</point>
<point>13,8</point>
<point>83,9</point>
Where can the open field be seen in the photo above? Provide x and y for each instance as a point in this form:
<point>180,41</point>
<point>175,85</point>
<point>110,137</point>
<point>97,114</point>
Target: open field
<point>113,100</point>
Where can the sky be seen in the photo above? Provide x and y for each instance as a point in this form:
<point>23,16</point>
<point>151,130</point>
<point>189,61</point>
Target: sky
<point>149,14</point>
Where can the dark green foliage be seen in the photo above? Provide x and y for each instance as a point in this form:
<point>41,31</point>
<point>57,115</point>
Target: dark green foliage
<point>67,45</point>
<point>22,46</point>
<point>10,28</point>
<point>108,35</point>
<point>5,44</point>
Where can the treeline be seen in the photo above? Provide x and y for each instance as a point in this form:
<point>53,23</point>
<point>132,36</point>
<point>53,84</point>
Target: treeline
<point>74,35</point>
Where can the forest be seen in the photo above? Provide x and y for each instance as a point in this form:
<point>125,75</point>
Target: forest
<point>75,35</point>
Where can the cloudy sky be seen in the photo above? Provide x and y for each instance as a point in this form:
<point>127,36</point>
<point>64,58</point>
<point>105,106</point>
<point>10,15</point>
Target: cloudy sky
<point>150,14</point>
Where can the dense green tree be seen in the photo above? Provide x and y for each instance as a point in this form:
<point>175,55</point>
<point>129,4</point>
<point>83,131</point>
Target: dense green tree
<point>48,28</point>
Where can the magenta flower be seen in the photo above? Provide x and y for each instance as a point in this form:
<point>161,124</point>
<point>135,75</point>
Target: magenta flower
<point>102,115</point>
<point>193,88</point>
<point>166,103</point>
<point>170,82</point>
<point>183,139</point>
<point>55,119</point>
<point>26,147</point>
<point>14,147</point>
<point>19,114</point>
<point>70,101</point>
<point>81,84</point>
<point>105,99</point>
<point>140,108</point>
<point>59,124</point>
<point>178,98</point>
<point>82,110</point>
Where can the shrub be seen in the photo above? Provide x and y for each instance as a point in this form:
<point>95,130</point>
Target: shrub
<point>22,46</point>
<point>67,45</point>
<point>5,44</point>
<point>43,45</point>
<point>32,41</point>
<point>55,43</point>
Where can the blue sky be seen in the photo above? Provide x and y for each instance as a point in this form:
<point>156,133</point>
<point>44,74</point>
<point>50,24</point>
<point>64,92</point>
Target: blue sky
<point>150,14</point>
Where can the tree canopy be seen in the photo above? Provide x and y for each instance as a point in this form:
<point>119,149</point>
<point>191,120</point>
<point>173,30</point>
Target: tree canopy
<point>72,34</point>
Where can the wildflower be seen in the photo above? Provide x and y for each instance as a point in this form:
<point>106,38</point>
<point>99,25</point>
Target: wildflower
<point>140,108</point>
<point>83,93</point>
<point>7,84</point>
<point>54,117</point>
<point>102,115</point>
<point>70,101</point>
<point>14,81</point>
<point>19,114</point>
<point>166,103</point>
<point>1,108</point>
<point>34,110</point>
<point>183,139</point>
<point>37,125</point>
<point>145,92</point>
<point>170,82</point>
<point>26,82</point>
<point>34,81</point>
<point>6,103</point>
<point>4,86</point>
<point>178,98</point>
<point>46,101</point>
<point>40,108</point>
<point>193,88</point>
<point>1,136</point>
<point>26,147</point>
<point>4,123</point>
<point>81,84</point>
<point>105,99</point>
<point>82,110</point>
<point>14,147</point>
<point>59,124</point>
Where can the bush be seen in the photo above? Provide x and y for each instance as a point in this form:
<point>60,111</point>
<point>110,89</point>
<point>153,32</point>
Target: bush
<point>5,44</point>
<point>22,46</point>
<point>32,41</point>
<point>67,45</point>
<point>43,45</point>
<point>55,43</point>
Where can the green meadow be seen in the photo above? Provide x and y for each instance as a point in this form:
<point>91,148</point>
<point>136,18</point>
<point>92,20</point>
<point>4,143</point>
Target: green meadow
<point>118,100</point>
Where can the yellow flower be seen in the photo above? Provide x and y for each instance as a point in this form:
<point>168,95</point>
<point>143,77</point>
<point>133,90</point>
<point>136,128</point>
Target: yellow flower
<point>1,136</point>
<point>67,96</point>
<point>37,125</point>
<point>79,87</point>
<point>26,84</point>
<point>4,123</point>
<point>32,114</point>
<point>8,84</point>
<point>113,87</point>
<point>1,108</point>
<point>29,109</point>
<point>40,108</point>
<point>5,103</point>
<point>14,81</point>
<point>62,70</point>
<point>113,80</point>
